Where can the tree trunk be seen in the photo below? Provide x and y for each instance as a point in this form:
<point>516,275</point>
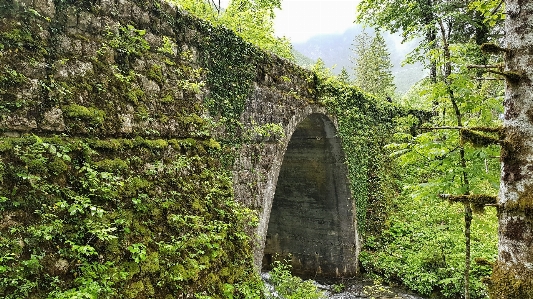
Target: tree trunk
<point>465,182</point>
<point>431,35</point>
<point>512,276</point>
<point>468,258</point>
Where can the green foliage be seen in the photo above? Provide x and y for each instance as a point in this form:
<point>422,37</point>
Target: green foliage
<point>492,11</point>
<point>230,76</point>
<point>96,228</point>
<point>291,287</point>
<point>420,19</point>
<point>369,169</point>
<point>251,20</point>
<point>155,73</point>
<point>128,40</point>
<point>372,66</point>
<point>169,47</point>
<point>431,165</point>
<point>266,132</point>
<point>91,115</point>
<point>138,252</point>
<point>344,76</point>
<point>111,218</point>
<point>9,77</point>
<point>422,247</point>
<point>449,155</point>
<point>430,162</point>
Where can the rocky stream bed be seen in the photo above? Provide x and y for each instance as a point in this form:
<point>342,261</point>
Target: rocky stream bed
<point>354,289</point>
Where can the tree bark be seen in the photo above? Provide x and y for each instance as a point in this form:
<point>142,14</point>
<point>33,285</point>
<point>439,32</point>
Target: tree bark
<point>512,276</point>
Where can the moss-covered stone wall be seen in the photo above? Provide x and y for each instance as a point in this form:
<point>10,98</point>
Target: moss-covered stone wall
<point>140,150</point>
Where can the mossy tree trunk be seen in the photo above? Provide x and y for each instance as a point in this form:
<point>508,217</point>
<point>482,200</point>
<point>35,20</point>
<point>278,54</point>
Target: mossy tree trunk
<point>512,277</point>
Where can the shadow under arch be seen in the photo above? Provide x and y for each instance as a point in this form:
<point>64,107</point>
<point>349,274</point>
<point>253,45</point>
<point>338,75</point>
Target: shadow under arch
<point>312,219</point>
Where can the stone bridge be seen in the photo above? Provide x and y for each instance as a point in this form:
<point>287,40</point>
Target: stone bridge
<point>147,74</point>
<point>300,187</point>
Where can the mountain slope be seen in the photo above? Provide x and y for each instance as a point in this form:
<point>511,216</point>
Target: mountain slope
<point>335,51</point>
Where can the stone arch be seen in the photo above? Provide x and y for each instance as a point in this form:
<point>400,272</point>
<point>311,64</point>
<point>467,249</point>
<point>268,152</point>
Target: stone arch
<point>307,211</point>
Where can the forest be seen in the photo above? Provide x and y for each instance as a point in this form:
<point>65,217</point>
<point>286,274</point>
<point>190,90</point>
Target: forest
<point>97,207</point>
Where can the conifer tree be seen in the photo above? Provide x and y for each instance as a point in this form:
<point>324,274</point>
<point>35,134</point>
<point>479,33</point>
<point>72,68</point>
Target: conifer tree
<point>344,76</point>
<point>372,65</point>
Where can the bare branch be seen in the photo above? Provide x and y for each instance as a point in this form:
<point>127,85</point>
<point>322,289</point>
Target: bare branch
<point>496,8</point>
<point>217,7</point>
<point>481,129</point>
<point>485,66</point>
<point>488,79</point>
<point>484,199</point>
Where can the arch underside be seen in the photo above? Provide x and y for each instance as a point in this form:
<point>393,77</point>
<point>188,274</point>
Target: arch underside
<point>312,217</point>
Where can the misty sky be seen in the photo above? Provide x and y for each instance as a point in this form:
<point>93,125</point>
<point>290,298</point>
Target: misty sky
<point>301,19</point>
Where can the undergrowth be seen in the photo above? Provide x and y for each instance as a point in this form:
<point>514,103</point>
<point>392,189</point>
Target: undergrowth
<point>288,286</point>
<point>422,247</point>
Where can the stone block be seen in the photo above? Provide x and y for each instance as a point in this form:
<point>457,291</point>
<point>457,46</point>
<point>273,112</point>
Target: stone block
<point>97,26</point>
<point>12,134</point>
<point>124,10</point>
<point>45,7</point>
<point>90,48</point>
<point>77,47</point>
<point>85,20</point>
<point>169,8</point>
<point>139,65</point>
<point>166,28</point>
<point>153,40</point>
<point>127,123</point>
<point>34,69</point>
<point>155,23</point>
<point>149,87</point>
<point>53,120</point>
<point>75,68</point>
<point>72,17</point>
<point>140,16</point>
<point>44,34</point>
<point>73,31</point>
<point>28,3</point>
<point>31,89</point>
<point>19,122</point>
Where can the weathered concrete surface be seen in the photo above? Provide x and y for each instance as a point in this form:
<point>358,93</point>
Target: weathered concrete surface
<point>312,217</point>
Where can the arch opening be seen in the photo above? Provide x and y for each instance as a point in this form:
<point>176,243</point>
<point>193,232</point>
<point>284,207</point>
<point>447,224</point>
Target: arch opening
<point>312,221</point>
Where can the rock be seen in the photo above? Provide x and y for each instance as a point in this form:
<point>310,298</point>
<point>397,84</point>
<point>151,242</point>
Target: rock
<point>53,120</point>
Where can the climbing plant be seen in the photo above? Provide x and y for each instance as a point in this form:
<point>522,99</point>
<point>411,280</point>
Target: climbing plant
<point>365,125</point>
<point>106,216</point>
<point>68,210</point>
<point>127,190</point>
<point>252,20</point>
